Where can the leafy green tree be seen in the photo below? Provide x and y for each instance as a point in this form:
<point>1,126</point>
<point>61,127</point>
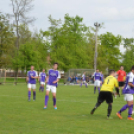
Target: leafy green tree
<point>109,54</point>
<point>6,41</point>
<point>68,44</point>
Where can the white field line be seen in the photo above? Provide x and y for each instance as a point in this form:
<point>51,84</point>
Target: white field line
<point>119,102</point>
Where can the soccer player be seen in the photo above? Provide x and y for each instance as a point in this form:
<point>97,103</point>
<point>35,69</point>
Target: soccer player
<point>97,80</point>
<point>128,92</point>
<point>106,92</point>
<point>83,80</point>
<point>31,78</point>
<point>41,79</point>
<point>52,80</point>
<point>121,77</point>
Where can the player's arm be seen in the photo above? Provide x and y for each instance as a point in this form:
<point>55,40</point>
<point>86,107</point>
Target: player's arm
<point>56,81</point>
<point>117,87</point>
<point>39,77</point>
<point>47,79</point>
<point>27,77</point>
<point>130,84</point>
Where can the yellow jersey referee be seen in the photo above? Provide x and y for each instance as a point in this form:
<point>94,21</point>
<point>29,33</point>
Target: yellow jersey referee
<point>106,92</point>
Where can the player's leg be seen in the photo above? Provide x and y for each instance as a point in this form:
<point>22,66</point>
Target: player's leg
<point>34,91</point>
<point>46,96</point>
<point>95,87</point>
<point>130,110</point>
<point>42,86</point>
<point>129,105</point>
<point>109,110</point>
<point>98,85</point>
<point>29,92</point>
<point>101,98</point>
<point>85,84</point>
<point>109,100</point>
<point>53,89</point>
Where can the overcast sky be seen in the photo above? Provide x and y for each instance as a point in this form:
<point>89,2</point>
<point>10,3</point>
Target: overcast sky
<point>117,15</point>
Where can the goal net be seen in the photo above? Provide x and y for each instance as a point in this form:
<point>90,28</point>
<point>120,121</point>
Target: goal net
<point>73,73</point>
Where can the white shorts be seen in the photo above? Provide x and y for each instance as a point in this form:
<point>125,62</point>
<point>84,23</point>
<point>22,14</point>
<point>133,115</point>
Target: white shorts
<point>32,86</point>
<point>52,88</point>
<point>97,83</point>
<point>128,97</point>
<point>84,81</point>
<point>42,83</point>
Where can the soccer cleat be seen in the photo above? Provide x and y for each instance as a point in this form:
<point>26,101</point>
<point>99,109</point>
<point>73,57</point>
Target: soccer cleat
<point>133,112</point>
<point>130,118</point>
<point>45,107</point>
<point>55,107</point>
<point>119,115</point>
<point>29,99</point>
<point>92,112</point>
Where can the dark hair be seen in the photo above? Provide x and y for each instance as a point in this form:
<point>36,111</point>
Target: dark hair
<point>132,68</point>
<point>111,71</point>
<point>121,66</point>
<point>56,63</point>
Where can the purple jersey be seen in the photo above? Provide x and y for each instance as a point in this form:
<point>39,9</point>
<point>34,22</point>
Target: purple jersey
<point>97,76</point>
<point>53,76</point>
<point>127,89</point>
<point>42,77</point>
<point>83,77</point>
<point>32,80</point>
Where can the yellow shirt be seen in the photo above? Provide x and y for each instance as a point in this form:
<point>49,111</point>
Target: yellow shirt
<point>109,84</point>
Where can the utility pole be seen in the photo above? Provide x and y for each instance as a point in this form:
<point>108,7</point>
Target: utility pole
<point>97,25</point>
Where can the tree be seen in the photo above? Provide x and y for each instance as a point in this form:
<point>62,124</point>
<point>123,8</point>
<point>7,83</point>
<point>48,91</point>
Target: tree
<point>128,58</point>
<point>20,10</point>
<point>68,44</point>
<point>33,52</point>
<point>109,54</point>
<point>6,41</point>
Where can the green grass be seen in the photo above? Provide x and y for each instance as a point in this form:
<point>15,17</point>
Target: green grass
<point>18,116</point>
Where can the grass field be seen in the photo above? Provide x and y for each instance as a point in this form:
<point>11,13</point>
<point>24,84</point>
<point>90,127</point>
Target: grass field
<point>18,116</point>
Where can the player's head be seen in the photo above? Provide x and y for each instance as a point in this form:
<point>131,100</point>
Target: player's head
<point>55,66</point>
<point>132,68</point>
<point>101,72</point>
<point>97,70</point>
<point>43,70</point>
<point>121,67</point>
<point>32,67</point>
<point>112,72</point>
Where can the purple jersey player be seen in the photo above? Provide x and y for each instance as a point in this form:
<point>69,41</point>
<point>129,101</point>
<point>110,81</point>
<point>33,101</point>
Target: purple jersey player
<point>52,80</point>
<point>42,77</point>
<point>83,80</point>
<point>31,78</point>
<point>97,80</point>
<point>128,92</point>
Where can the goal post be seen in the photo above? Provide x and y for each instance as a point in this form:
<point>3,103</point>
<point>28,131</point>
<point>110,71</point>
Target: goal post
<point>72,73</point>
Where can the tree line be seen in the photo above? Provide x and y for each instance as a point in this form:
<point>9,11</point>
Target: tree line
<point>69,42</point>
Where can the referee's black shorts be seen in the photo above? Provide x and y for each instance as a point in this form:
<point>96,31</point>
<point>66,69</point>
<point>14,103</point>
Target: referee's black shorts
<point>121,83</point>
<point>105,96</point>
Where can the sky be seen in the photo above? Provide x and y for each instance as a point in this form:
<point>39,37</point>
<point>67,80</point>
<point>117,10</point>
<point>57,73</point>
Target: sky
<point>117,15</point>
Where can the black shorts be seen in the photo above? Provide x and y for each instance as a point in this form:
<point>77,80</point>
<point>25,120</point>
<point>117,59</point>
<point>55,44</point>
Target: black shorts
<point>121,84</point>
<point>105,96</point>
